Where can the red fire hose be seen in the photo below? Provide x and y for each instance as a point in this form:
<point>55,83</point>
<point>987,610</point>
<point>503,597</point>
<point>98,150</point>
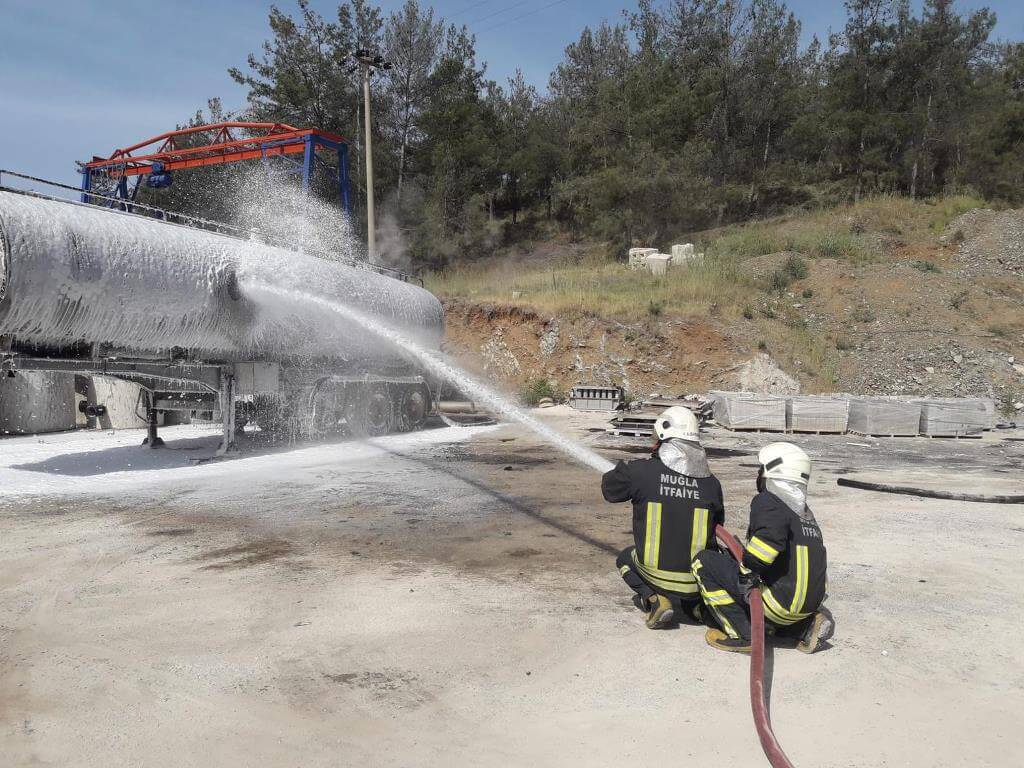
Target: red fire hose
<point>758,705</point>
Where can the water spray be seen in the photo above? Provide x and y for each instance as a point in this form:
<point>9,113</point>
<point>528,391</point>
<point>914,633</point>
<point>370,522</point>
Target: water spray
<point>263,293</point>
<point>133,282</point>
<point>772,750</point>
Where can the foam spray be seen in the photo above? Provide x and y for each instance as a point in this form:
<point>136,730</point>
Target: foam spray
<point>261,292</point>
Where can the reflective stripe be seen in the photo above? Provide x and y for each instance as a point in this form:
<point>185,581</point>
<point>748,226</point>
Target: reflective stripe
<point>800,591</point>
<point>653,562</point>
<point>648,529</point>
<point>776,612</point>
<point>699,536</point>
<point>771,613</point>
<point>682,582</point>
<point>716,597</point>
<point>624,570</point>
<point>724,622</point>
<point>677,587</point>
<point>762,550</point>
<point>764,546</point>
<point>714,593</point>
<point>652,534</point>
<point>721,600</point>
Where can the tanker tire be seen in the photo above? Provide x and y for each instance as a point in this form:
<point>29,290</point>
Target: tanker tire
<point>379,413</point>
<point>415,404</point>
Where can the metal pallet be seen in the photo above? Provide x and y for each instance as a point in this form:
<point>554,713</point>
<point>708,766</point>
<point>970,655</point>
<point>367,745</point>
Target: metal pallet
<point>633,425</point>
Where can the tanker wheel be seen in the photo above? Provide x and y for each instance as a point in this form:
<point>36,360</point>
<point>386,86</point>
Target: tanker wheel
<point>271,414</point>
<point>245,414</point>
<point>331,407</point>
<point>379,413</point>
<point>415,405</point>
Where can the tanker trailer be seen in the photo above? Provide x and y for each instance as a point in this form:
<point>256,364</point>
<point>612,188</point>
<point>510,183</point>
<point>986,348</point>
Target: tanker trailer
<point>90,290</point>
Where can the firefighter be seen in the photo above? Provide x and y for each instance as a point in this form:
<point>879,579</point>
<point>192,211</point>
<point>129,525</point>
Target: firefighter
<point>785,557</point>
<point>677,503</point>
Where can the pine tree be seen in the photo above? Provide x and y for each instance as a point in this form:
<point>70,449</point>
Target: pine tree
<point>412,43</point>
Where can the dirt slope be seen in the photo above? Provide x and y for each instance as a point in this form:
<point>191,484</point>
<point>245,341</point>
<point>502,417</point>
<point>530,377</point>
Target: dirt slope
<point>942,317</point>
<point>516,345</point>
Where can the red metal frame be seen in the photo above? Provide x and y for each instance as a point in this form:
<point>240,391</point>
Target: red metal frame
<point>268,140</point>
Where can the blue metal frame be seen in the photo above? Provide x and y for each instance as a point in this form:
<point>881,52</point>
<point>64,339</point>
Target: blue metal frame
<point>121,192</point>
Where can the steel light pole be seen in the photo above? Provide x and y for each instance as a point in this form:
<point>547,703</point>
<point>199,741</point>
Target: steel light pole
<point>368,63</point>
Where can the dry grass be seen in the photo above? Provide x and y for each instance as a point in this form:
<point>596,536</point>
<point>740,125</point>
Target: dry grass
<point>602,287</point>
<point>799,349</point>
<point>860,233</point>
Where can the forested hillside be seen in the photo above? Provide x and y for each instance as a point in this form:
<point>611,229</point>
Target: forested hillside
<point>683,116</point>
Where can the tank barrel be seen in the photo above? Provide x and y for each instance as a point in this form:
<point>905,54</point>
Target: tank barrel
<point>72,274</point>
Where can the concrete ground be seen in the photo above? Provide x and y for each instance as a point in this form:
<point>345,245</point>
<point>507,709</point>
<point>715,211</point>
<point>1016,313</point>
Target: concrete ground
<point>450,598</point>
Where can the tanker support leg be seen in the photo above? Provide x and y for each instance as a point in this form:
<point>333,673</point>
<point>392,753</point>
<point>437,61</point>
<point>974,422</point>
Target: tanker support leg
<point>153,440</point>
<point>227,414</point>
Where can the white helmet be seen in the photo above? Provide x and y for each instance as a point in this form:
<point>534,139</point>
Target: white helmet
<point>784,461</point>
<point>678,422</point>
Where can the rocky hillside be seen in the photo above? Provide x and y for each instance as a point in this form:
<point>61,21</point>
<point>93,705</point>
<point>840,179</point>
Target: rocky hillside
<point>871,300</point>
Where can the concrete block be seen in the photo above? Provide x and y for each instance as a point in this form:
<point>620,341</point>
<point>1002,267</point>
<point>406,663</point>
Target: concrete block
<point>121,399</point>
<point>884,417</point>
<point>817,414</point>
<point>952,419</point>
<point>739,410</point>
<point>985,404</point>
<point>34,402</point>
<point>638,256</point>
<point>658,263</point>
<point>592,397</point>
<point>683,252</point>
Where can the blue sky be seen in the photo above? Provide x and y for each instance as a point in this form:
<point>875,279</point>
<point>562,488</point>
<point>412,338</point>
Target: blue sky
<point>83,77</point>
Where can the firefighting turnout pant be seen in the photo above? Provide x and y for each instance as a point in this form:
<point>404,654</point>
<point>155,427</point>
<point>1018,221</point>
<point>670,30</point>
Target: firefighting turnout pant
<point>626,562</point>
<point>718,576</point>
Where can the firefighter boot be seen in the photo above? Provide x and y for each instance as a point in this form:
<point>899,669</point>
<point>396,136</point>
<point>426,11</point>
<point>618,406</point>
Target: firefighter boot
<point>660,612</point>
<point>716,638</point>
<point>814,633</point>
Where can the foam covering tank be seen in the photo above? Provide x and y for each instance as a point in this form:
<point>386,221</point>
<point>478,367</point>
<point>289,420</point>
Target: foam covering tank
<point>74,273</point>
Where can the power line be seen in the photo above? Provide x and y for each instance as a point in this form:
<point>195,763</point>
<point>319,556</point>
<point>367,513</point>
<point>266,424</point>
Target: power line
<point>469,7</point>
<point>498,13</point>
<point>521,16</point>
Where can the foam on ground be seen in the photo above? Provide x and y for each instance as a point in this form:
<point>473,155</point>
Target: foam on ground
<point>115,463</point>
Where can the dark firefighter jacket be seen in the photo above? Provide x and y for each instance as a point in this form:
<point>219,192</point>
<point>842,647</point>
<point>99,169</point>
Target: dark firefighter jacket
<point>674,518</point>
<point>787,551</point>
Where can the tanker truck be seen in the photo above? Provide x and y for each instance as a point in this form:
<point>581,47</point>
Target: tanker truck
<point>172,307</point>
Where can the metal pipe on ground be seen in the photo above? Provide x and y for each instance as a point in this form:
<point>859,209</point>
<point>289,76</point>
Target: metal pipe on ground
<point>457,406</point>
<point>758,704</point>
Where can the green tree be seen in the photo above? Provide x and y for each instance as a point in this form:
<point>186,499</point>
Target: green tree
<point>460,168</point>
<point>996,136</point>
<point>412,43</point>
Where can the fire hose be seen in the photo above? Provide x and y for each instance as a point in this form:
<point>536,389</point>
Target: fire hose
<point>758,705</point>
<point>930,494</point>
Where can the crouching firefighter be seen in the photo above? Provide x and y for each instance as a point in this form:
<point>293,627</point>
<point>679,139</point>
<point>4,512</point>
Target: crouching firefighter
<point>677,503</point>
<point>785,557</point>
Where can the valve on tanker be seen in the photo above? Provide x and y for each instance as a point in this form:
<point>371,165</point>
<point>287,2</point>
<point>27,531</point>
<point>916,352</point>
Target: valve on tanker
<point>91,410</point>
<point>229,283</point>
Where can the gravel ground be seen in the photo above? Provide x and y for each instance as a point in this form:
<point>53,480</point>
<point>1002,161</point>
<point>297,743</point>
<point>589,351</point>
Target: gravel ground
<point>450,598</point>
